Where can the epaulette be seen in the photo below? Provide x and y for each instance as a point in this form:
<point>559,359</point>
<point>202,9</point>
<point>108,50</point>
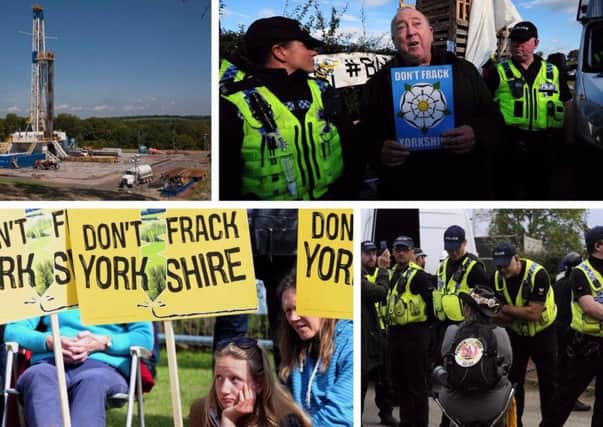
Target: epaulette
<point>228,87</point>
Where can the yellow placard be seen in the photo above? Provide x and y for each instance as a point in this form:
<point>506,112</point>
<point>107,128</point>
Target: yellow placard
<point>325,250</point>
<point>36,275</point>
<point>157,264</point>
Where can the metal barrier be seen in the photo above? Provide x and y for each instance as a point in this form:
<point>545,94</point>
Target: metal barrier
<point>206,341</point>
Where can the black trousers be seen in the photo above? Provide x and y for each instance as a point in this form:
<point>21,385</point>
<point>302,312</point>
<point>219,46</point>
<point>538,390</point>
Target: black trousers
<point>409,355</point>
<point>383,389</point>
<point>584,362</point>
<point>542,349</point>
<point>530,156</point>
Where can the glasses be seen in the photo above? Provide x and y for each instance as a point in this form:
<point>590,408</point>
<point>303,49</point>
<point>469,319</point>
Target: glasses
<point>401,249</point>
<point>243,343</point>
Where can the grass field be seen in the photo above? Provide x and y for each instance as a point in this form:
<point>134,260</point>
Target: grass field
<point>194,369</point>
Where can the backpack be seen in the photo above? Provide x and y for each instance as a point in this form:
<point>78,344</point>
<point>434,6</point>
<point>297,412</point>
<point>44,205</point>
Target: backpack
<point>472,362</point>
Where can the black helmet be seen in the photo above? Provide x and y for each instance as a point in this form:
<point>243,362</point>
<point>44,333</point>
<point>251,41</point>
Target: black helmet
<point>482,299</point>
<point>569,261</point>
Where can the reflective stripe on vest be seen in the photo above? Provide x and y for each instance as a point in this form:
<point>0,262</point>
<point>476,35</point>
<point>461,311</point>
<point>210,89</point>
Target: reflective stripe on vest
<point>372,278</point>
<point>446,303</point>
<point>229,71</point>
<point>549,314</point>
<point>581,321</point>
<point>535,107</point>
<point>405,308</point>
<point>313,150</point>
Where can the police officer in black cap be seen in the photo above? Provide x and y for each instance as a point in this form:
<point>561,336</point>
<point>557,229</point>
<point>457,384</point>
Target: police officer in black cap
<point>533,99</point>
<point>282,133</point>
<point>458,273</point>
<point>563,299</point>
<point>585,352</point>
<point>409,310</point>
<point>529,313</point>
<point>375,279</point>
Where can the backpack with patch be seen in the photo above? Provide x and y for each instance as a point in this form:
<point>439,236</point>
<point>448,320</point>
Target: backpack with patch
<point>472,363</point>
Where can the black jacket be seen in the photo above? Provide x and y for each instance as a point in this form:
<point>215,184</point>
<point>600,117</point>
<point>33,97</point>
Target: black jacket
<point>451,176</point>
<point>373,339</point>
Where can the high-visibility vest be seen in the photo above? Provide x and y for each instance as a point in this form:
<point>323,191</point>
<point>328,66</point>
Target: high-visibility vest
<point>372,278</point>
<point>403,307</point>
<point>283,158</point>
<point>446,301</point>
<point>581,321</point>
<point>528,328</point>
<point>535,107</point>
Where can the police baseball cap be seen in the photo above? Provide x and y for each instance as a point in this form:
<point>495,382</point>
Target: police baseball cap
<point>277,29</point>
<point>593,235</point>
<point>454,236</point>
<point>419,252</point>
<point>368,246</point>
<point>404,241</point>
<point>502,254</point>
<point>523,31</point>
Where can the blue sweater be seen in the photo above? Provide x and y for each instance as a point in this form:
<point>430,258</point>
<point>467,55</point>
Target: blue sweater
<point>123,336</point>
<point>332,391</point>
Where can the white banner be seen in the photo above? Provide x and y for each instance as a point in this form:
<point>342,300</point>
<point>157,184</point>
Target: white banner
<point>349,69</point>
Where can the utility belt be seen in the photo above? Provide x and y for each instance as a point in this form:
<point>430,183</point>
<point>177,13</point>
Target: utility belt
<point>585,346</point>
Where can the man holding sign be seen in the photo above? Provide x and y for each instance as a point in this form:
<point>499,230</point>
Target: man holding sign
<point>97,363</point>
<point>463,146</point>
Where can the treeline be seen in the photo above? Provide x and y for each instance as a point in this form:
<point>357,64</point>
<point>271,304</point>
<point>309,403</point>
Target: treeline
<point>161,132</point>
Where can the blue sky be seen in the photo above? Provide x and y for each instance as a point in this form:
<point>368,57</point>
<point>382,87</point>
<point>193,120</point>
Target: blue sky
<point>555,19</point>
<point>114,57</point>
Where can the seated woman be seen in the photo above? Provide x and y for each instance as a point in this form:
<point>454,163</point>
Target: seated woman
<point>97,363</point>
<point>316,361</point>
<point>244,391</point>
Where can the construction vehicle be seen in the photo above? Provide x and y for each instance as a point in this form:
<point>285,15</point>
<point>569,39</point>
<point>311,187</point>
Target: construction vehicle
<point>140,174</point>
<point>50,163</point>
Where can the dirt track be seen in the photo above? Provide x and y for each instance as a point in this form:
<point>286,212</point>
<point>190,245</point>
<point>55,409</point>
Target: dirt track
<point>95,181</point>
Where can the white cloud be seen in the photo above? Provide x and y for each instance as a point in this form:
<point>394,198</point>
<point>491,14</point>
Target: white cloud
<point>556,5</point>
<point>266,13</point>
<point>13,109</point>
<point>375,3</point>
<point>137,107</point>
<point>100,108</point>
<point>63,107</point>
<point>350,18</point>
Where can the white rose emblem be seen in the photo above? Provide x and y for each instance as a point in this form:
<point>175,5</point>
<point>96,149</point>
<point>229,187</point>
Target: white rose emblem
<point>423,105</point>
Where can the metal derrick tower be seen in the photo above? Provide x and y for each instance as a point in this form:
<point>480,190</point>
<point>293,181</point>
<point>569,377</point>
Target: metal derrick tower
<point>42,77</point>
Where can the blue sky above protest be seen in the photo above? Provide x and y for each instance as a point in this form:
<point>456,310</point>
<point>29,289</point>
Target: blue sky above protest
<point>113,58</point>
<point>556,19</point>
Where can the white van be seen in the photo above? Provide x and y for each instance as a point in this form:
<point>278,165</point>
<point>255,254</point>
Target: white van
<point>589,74</point>
<point>425,226</point>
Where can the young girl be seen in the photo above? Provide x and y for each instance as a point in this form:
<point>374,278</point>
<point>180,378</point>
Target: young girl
<point>244,391</point>
<point>317,361</point>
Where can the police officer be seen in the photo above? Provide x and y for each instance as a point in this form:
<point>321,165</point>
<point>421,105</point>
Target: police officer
<point>533,101</point>
<point>458,273</point>
<point>563,299</point>
<point>408,311</point>
<point>528,312</point>
<point>420,257</point>
<point>585,355</point>
<point>280,130</point>
<point>375,279</point>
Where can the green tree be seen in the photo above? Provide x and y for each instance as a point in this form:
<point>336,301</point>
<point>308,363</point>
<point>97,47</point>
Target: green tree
<point>560,230</point>
<point>13,123</point>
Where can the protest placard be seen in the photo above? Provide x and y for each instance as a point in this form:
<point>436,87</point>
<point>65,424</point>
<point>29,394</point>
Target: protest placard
<point>350,68</point>
<point>156,264</point>
<point>36,276</point>
<point>423,105</point>
<point>324,263</point>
